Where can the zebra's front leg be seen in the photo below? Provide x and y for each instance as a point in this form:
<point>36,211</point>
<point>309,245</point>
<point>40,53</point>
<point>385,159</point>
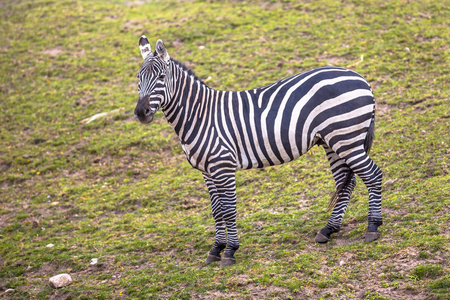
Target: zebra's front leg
<point>220,241</point>
<point>226,187</point>
<point>229,214</point>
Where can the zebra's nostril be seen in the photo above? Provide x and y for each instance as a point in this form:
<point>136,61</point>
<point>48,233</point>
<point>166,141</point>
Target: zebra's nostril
<point>147,112</point>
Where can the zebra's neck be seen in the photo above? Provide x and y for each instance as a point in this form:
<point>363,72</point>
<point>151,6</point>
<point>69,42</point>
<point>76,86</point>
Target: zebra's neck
<point>191,103</point>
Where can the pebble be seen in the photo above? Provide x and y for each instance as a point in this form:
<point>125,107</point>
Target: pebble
<point>50,246</point>
<point>94,261</point>
<point>60,280</point>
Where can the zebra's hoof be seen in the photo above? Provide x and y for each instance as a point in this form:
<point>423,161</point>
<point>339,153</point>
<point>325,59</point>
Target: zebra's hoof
<point>371,236</point>
<point>320,238</point>
<point>324,234</point>
<point>227,261</point>
<point>212,258</point>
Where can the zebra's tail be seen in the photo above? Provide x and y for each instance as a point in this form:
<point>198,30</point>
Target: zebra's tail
<point>370,134</point>
<point>367,145</point>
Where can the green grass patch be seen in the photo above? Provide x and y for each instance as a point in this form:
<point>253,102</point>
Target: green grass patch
<point>427,271</point>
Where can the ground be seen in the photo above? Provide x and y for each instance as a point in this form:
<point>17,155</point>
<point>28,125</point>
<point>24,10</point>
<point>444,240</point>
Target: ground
<point>123,193</point>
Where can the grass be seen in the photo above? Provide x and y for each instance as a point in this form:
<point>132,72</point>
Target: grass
<point>123,193</point>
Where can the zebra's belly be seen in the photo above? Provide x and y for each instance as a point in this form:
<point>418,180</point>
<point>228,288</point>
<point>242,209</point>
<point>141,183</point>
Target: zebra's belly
<point>270,156</point>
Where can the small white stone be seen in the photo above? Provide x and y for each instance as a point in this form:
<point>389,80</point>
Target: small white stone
<point>60,280</point>
<point>201,47</point>
<point>94,261</point>
<point>341,263</point>
<point>50,246</point>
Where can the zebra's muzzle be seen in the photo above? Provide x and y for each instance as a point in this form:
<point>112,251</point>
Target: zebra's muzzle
<point>145,118</point>
<point>143,112</point>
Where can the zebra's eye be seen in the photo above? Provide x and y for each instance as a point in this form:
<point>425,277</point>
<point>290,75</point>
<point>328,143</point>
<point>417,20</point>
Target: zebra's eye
<point>161,76</point>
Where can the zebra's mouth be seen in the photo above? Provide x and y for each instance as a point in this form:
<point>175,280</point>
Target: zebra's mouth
<point>146,119</point>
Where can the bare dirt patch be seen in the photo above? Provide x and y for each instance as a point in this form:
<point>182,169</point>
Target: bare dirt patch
<point>254,291</point>
<point>53,52</point>
<point>382,109</point>
<point>332,60</point>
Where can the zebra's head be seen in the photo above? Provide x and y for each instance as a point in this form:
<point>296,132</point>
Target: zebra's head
<point>153,91</point>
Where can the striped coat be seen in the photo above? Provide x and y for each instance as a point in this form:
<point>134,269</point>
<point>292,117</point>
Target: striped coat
<point>225,131</point>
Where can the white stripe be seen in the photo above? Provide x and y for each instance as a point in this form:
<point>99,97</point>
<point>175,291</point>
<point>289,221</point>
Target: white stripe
<point>264,125</point>
<point>341,143</point>
<point>248,146</point>
<point>254,133</point>
<point>221,96</point>
<point>345,130</point>
<point>236,132</point>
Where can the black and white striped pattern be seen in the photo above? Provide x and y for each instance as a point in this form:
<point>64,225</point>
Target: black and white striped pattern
<point>225,131</point>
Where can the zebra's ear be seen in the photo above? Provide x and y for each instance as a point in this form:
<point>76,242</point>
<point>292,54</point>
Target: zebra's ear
<point>162,51</point>
<point>144,46</point>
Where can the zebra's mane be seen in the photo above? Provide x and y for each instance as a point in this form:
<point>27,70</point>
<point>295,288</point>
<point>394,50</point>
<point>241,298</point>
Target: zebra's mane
<point>188,71</point>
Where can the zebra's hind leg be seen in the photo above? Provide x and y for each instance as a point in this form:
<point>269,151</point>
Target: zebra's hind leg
<point>371,175</point>
<point>340,171</point>
<point>220,241</point>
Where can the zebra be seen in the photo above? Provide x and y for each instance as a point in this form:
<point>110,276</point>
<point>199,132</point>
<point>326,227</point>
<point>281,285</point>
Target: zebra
<point>222,132</point>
